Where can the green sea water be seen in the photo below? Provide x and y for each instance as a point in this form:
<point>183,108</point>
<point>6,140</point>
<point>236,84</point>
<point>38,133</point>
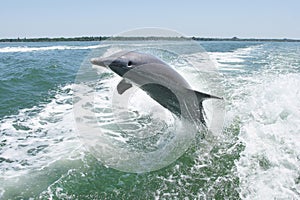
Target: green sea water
<point>41,156</point>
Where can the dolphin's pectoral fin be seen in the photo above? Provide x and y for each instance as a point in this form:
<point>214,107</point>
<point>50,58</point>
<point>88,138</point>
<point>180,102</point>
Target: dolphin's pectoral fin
<point>123,86</point>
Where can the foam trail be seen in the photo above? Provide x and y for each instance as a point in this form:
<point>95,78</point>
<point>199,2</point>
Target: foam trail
<point>48,48</point>
<point>38,136</point>
<point>265,105</point>
<point>232,61</point>
<point>269,165</point>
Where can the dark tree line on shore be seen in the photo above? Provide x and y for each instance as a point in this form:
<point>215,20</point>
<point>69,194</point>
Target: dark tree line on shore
<point>101,38</point>
<point>60,39</point>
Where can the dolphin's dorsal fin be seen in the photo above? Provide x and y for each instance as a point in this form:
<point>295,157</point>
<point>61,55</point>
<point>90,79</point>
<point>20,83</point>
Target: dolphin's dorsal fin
<point>123,86</point>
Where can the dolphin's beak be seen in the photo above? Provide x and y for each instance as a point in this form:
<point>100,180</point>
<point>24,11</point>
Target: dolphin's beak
<point>100,62</point>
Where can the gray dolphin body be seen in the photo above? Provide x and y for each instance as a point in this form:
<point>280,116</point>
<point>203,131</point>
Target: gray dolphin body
<point>161,82</point>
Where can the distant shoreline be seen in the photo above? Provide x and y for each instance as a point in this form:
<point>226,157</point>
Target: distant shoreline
<point>101,38</point>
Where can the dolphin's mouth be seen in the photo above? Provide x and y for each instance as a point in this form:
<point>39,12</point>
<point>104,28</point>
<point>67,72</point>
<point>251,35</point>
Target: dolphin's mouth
<point>99,62</point>
<point>106,61</point>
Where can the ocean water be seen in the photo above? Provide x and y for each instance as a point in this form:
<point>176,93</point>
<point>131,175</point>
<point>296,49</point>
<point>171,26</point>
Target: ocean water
<point>257,155</point>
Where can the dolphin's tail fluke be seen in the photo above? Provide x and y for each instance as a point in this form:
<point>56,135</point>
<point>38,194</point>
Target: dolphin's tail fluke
<point>201,97</point>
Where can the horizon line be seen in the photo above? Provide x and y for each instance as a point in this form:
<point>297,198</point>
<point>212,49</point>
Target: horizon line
<point>100,38</point>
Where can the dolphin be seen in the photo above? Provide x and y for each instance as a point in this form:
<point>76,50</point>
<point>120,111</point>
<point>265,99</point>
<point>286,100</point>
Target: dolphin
<point>160,81</point>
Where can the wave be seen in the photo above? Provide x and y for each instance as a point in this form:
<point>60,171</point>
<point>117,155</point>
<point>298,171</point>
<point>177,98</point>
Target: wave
<point>49,48</point>
<point>62,47</point>
<point>232,61</point>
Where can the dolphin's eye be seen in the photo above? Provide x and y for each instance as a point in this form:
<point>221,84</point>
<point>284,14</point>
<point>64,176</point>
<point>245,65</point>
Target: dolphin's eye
<point>129,63</point>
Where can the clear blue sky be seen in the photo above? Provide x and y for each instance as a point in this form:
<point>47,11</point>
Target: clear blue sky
<point>208,18</point>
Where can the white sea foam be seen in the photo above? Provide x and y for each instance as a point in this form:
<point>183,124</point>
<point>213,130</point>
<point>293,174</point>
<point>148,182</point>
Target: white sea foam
<point>232,60</point>
<point>38,136</point>
<point>47,48</point>
<point>270,117</point>
<point>63,47</point>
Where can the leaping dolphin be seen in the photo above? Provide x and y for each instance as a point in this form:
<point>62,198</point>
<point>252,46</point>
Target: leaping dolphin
<point>161,82</point>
